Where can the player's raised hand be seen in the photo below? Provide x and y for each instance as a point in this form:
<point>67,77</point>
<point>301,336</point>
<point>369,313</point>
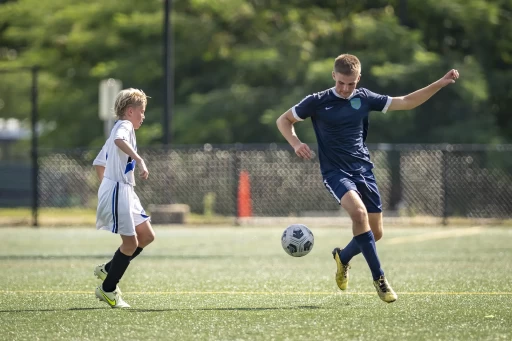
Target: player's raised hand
<point>450,77</point>
<point>303,151</point>
<point>144,173</point>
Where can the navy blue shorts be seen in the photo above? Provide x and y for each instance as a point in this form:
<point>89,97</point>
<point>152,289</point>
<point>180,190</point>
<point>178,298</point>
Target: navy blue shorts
<point>364,184</point>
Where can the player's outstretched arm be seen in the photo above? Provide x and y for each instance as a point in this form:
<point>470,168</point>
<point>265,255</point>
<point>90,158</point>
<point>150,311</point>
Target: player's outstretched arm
<point>285,125</point>
<point>128,150</point>
<point>420,96</point>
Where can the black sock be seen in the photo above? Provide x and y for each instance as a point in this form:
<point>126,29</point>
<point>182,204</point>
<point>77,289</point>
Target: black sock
<point>120,262</point>
<point>135,254</point>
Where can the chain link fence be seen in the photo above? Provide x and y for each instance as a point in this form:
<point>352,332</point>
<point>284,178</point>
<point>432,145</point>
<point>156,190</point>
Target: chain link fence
<point>18,114</point>
<point>443,181</point>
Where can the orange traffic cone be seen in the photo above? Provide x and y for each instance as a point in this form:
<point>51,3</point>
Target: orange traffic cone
<point>244,195</point>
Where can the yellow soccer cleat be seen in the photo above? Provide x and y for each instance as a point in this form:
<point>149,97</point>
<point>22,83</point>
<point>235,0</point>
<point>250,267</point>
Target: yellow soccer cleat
<point>113,299</point>
<point>342,270</point>
<point>386,293</point>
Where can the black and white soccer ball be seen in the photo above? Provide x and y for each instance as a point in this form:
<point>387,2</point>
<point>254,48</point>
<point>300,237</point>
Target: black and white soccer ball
<point>297,240</point>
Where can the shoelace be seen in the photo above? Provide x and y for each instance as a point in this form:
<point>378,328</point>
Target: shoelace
<point>383,285</point>
<point>345,270</point>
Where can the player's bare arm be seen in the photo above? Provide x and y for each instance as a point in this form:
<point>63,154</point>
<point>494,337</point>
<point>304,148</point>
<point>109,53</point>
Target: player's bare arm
<point>285,125</point>
<point>100,171</point>
<point>128,150</point>
<point>420,96</point>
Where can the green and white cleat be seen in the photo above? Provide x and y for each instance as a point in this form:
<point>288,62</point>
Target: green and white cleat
<point>100,272</point>
<point>341,270</point>
<point>386,293</point>
<point>113,299</point>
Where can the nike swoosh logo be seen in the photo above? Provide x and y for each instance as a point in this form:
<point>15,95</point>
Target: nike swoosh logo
<point>111,302</point>
<point>327,108</point>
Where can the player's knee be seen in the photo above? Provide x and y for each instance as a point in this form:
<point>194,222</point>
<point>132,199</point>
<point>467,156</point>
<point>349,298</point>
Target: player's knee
<point>359,215</point>
<point>149,237</point>
<point>377,235</point>
<point>145,234</point>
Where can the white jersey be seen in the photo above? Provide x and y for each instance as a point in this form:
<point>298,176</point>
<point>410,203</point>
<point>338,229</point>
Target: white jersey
<point>119,167</point>
<point>101,158</point>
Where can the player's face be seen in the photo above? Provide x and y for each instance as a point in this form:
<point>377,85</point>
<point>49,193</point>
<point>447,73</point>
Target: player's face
<point>345,84</point>
<point>136,116</point>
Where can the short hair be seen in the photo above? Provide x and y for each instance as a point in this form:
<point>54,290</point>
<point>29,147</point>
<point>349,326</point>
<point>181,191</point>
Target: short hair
<point>129,97</point>
<point>347,64</point>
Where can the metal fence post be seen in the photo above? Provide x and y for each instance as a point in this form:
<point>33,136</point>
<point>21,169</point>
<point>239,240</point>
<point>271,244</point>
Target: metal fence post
<point>395,193</point>
<point>35,158</point>
<point>446,213</point>
<point>236,178</point>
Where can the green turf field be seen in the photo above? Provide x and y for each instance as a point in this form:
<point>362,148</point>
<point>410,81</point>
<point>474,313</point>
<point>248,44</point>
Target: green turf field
<point>220,283</point>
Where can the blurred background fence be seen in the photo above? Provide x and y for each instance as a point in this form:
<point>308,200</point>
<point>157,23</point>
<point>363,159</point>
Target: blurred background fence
<point>18,139</point>
<point>442,181</point>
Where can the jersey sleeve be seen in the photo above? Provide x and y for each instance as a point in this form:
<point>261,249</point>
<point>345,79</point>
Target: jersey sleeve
<point>123,132</point>
<point>101,158</point>
<point>378,102</point>
<point>305,108</point>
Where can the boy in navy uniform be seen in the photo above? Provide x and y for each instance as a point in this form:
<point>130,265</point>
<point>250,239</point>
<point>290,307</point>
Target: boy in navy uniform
<point>340,120</point>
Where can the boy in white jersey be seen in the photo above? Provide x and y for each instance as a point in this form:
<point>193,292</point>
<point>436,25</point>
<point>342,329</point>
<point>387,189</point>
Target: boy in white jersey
<point>119,208</point>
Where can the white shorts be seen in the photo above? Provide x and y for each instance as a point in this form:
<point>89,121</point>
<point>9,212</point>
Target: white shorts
<point>119,208</point>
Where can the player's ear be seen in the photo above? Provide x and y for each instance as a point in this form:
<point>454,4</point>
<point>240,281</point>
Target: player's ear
<point>334,76</point>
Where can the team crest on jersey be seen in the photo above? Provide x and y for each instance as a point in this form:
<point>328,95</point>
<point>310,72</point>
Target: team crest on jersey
<point>355,103</point>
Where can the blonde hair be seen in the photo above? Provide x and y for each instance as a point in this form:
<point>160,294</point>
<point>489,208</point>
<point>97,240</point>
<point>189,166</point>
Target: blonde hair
<point>129,97</point>
<point>347,65</point>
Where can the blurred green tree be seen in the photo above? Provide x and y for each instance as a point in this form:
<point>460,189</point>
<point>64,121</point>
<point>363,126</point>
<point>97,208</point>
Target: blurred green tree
<point>239,64</point>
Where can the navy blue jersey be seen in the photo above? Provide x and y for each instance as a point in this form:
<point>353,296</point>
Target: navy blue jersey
<point>341,126</point>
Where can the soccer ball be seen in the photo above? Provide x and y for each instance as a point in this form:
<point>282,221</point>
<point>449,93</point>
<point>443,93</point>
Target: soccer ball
<point>297,240</point>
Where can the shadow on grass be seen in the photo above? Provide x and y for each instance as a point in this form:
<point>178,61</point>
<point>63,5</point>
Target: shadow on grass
<point>307,307</point>
<point>44,257</point>
<point>301,307</point>
<point>48,310</point>
<point>131,310</point>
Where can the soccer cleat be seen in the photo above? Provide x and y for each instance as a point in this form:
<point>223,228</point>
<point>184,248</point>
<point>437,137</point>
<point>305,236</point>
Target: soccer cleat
<point>101,273</point>
<point>342,270</point>
<point>386,293</point>
<point>113,299</point>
